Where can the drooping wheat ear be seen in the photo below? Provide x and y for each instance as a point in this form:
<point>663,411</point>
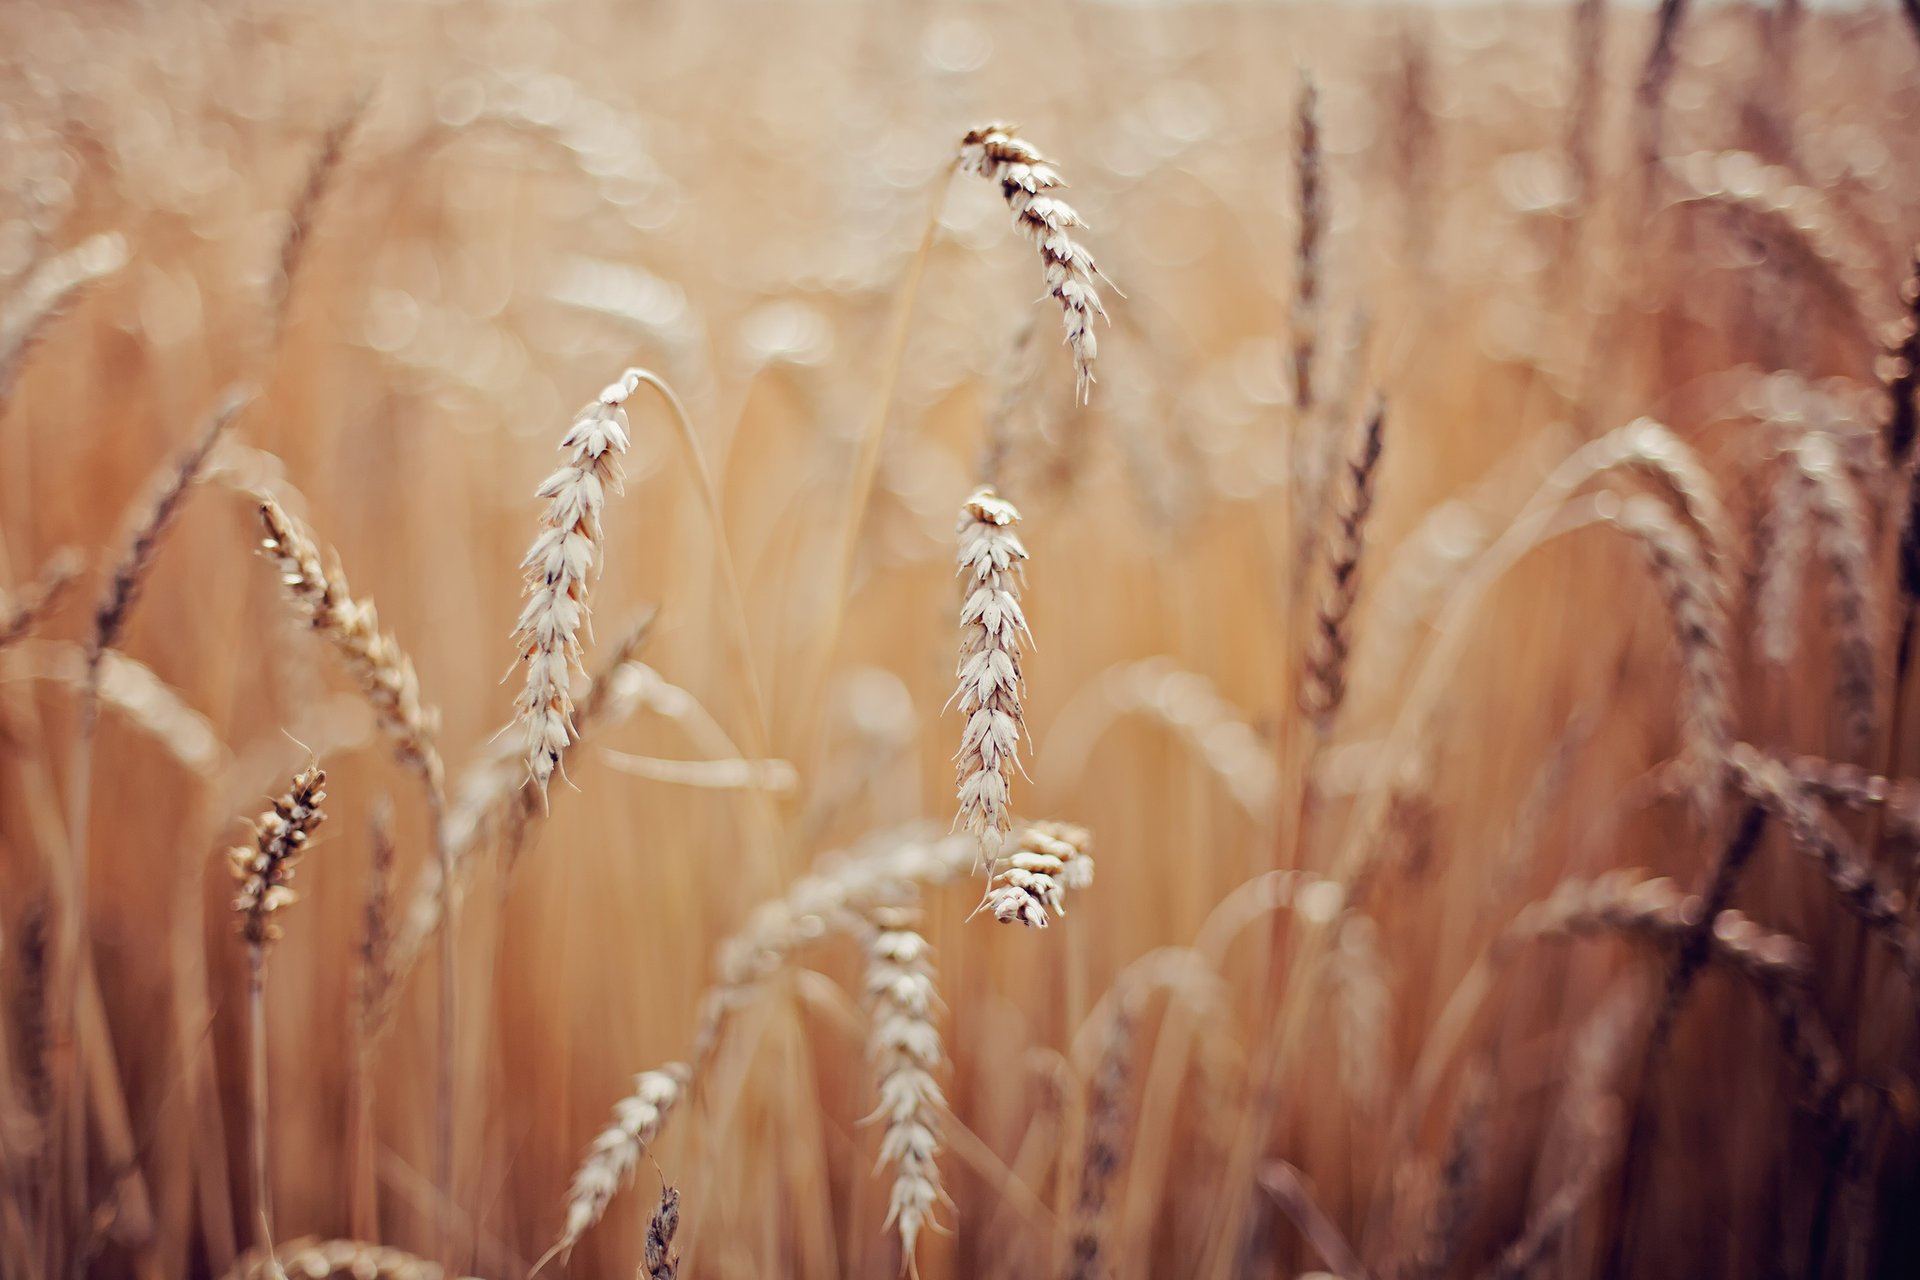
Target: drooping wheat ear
<point>996,154</point>
<point>1323,682</point>
<point>559,567</point>
<point>373,657</point>
<point>1770,783</point>
<point>1048,859</point>
<point>990,685</point>
<point>305,210</point>
<point>1899,371</point>
<point>264,871</point>
<point>19,614</point>
<point>1653,450</point>
<point>130,571</point>
<point>1852,787</point>
<point>610,1162</point>
<point>1305,320</point>
<point>1840,519</point>
<point>1798,216</point>
<point>1783,545</point>
<point>662,1262</point>
<point>310,1258</point>
<point>1187,703</point>
<point>907,1055</point>
<point>1699,619</point>
<point>1104,1149</point>
<point>50,293</point>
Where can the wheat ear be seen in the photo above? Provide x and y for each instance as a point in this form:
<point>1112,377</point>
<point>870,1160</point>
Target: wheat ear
<point>907,1054</point>
<point>1694,604</point>
<point>1104,1149</point>
<point>661,1261</point>
<point>373,657</point>
<point>559,567</point>
<point>1852,787</point>
<point>991,687</point>
<point>305,211</point>
<point>1025,177</point>
<point>1324,675</point>
<point>616,1152</point>
<point>1048,859</point>
<point>1841,522</point>
<point>264,871</point>
<point>1305,317</point>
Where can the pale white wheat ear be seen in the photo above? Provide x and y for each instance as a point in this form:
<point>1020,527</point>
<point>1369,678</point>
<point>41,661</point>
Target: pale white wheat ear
<point>610,1162</point>
<point>990,685</point>
<point>994,152</point>
<point>559,566</point>
<point>1049,859</point>
<point>906,1051</point>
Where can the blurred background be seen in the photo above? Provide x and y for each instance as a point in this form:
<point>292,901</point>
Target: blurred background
<point>425,234</point>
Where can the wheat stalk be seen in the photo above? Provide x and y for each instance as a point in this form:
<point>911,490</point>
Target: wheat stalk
<point>559,566</point>
<point>996,154</point>
<point>990,684</point>
<point>1324,675</point>
<point>1783,546</point>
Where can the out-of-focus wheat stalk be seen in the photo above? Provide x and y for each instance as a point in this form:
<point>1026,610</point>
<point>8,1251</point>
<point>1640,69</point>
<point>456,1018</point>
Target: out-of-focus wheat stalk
<point>305,211</point>
<point>1305,315</point>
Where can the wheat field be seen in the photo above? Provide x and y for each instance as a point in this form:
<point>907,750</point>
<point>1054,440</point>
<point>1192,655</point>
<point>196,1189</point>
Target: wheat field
<point>1370,732</point>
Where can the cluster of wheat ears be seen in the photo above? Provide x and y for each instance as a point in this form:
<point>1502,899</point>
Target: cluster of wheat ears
<point>1365,1059</point>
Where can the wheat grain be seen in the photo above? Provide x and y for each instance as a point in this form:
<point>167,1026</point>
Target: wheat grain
<point>990,684</point>
<point>559,566</point>
<point>1025,177</point>
<point>1324,676</point>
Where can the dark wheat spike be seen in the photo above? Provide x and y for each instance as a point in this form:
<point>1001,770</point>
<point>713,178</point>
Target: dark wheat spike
<point>1324,680</point>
